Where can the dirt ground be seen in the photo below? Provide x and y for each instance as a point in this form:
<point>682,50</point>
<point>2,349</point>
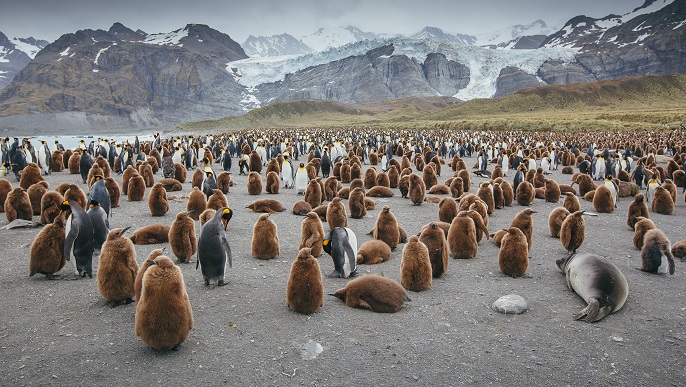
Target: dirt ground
<point>63,333</point>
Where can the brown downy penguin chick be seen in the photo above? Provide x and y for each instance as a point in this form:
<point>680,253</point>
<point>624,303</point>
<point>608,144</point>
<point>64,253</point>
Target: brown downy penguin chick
<point>404,185</point>
<point>254,183</point>
<point>667,184</point>
<point>447,209</point>
<point>571,203</point>
<point>125,177</point>
<point>434,239</point>
<point>171,185</point>
<point>679,249</point>
<point>498,198</point>
<point>313,193</point>
<point>305,291</point>
<point>429,176</point>
<point>312,232</point>
<point>461,239</point>
<point>197,178</point>
<point>138,283</point>
<point>393,176</point>
<point>524,222</point>
<point>207,215</point>
<point>508,193</point>
<point>466,200</point>
<point>369,204</point>
<point>497,237</point>
<point>157,200</point>
<point>555,219</point>
<point>30,175</point>
<point>525,193</point>
<point>415,266</point>
<point>164,317</point>
<point>335,214</point>
<point>56,161</point>
<point>602,200</point>
<point>182,237</point>
<point>513,258</point>
<point>479,222</point>
<point>76,194</point>
<point>346,173</point>
<point>485,193</point>
<point>641,227</point>
<point>104,166</point>
<point>273,183</point>
<point>662,201</point>
<point>585,183</point>
<point>566,188</point>
<point>439,189</point>
<point>656,254</point>
<point>255,162</point>
<point>136,188</point>
<point>50,206</point>
<point>373,292</point>
<point>356,203</point>
<point>180,172</point>
<point>18,205</point>
<point>217,200</point>
<point>74,163</point>
<point>47,249</point>
<point>36,192</point>
<point>151,234</point>
<point>301,207</point>
<point>145,170</point>
<point>331,188</point>
<point>573,231</point>
<point>386,228</point>
<point>637,207</point>
<point>552,191</point>
<point>417,190</point>
<point>372,252</point>
<point>224,182</point>
<point>456,187</point>
<point>197,203</point>
<point>117,268</point>
<point>589,196</point>
<point>321,211</point>
<point>378,192</point>
<point>370,178</point>
<point>5,189</point>
<point>266,205</point>
<point>382,180</point>
<point>113,189</point>
<point>265,238</point>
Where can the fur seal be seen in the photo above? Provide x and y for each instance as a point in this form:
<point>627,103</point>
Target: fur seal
<point>265,238</point>
<point>341,244</point>
<point>415,266</point>
<point>305,291</point>
<point>117,268</point>
<point>656,253</point>
<point>182,238</point>
<point>164,316</point>
<point>214,249</point>
<point>151,234</point>
<point>46,255</point>
<point>598,281</point>
<point>373,292</point>
<point>513,258</point>
<point>312,234</point>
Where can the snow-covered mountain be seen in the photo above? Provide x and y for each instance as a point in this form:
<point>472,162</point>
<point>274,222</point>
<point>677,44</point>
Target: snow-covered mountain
<point>502,37</point>
<point>326,38</point>
<point>277,45</point>
<point>437,34</point>
<point>15,54</point>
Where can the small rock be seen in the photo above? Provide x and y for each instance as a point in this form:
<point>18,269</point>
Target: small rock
<point>511,304</point>
<point>617,339</point>
<point>311,350</point>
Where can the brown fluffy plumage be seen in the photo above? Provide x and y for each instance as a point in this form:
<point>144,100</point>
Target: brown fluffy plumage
<point>265,238</point>
<point>197,203</point>
<point>115,192</point>
<point>151,234</point>
<point>555,219</point>
<point>486,195</point>
<point>513,258</point>
<point>312,234</point>
<point>662,201</point>
<point>217,200</point>
<point>254,183</point>
<point>602,200</point>
<point>641,227</point>
<point>17,205</point>
<point>136,188</point>
<point>497,237</point>
<point>5,189</point>
<point>429,176</point>
<point>679,249</point>
<point>479,221</point>
<point>171,185</point>
<point>164,316</point>
<point>379,192</point>
<point>524,222</point>
<point>571,203</point>
<point>447,209</point>
<point>273,183</point>
<point>301,207</point>
<point>30,175</point>
<point>335,214</point>
<point>36,192</point>
<point>415,267</point>
<point>461,239</point>
<point>157,200</point>
<point>224,182</point>
<point>552,191</point>
<point>197,178</point>
<point>386,228</point>
<point>525,193</point>
<point>125,177</point>
<point>417,189</point>
<point>266,205</point>
<point>182,239</point>
<point>305,291</point>
<point>637,207</point>
<point>47,249</point>
<point>373,292</point>
<point>372,252</point>
<point>356,203</point>
<point>434,238</point>
<point>50,206</point>
<point>117,268</point>
<point>74,163</point>
<point>656,248</point>
<point>573,231</point>
<point>180,172</point>
<point>206,215</point>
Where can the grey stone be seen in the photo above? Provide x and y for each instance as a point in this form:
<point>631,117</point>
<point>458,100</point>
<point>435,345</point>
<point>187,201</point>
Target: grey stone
<point>511,304</point>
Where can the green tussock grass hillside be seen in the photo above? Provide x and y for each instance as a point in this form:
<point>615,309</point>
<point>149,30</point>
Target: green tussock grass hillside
<point>634,103</point>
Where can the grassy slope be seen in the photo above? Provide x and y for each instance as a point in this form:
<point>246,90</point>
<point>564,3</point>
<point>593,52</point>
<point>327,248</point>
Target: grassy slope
<point>646,102</point>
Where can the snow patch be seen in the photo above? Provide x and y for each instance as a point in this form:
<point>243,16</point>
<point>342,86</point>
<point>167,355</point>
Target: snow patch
<point>28,49</point>
<point>65,52</point>
<point>97,57</point>
<point>167,39</point>
<point>679,25</point>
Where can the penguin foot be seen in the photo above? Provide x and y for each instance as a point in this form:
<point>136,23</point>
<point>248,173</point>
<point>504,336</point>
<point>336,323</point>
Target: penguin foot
<point>114,304</point>
<point>128,300</point>
<point>52,277</point>
<point>334,274</point>
<point>222,283</point>
<point>176,347</point>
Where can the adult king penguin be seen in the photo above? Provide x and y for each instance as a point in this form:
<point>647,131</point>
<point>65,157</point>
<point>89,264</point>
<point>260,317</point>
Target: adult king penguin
<point>213,248</point>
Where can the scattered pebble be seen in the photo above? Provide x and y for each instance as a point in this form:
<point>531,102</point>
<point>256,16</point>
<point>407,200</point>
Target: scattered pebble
<point>511,304</point>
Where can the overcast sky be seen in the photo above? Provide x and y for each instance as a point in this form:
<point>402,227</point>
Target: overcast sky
<point>49,19</point>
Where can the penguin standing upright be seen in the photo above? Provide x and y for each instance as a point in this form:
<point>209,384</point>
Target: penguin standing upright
<point>341,244</point>
<point>214,249</point>
<point>117,268</point>
<point>301,180</point>
<point>100,194</point>
<point>101,225</point>
<point>612,186</point>
<point>79,239</point>
<point>209,184</point>
<point>286,172</point>
<point>85,164</point>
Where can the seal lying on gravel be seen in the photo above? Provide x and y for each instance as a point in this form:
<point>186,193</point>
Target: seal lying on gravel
<point>599,282</point>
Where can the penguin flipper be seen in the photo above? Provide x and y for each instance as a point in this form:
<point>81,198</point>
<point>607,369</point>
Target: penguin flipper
<point>350,261</point>
<point>69,240</point>
<point>227,249</point>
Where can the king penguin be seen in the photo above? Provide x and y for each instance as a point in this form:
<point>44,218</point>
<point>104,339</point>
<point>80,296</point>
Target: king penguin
<point>301,180</point>
<point>101,225</point>
<point>100,194</point>
<point>79,238</point>
<point>213,248</point>
<point>341,244</point>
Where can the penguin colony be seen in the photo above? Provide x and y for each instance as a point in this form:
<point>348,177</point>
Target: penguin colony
<point>424,255</point>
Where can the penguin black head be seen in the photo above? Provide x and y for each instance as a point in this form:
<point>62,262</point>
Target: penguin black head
<point>327,243</point>
<point>94,203</point>
<point>209,174</point>
<point>65,206</point>
<point>226,216</point>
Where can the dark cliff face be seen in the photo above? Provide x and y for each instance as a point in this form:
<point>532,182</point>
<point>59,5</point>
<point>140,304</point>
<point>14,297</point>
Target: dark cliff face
<point>13,61</point>
<point>512,79</point>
